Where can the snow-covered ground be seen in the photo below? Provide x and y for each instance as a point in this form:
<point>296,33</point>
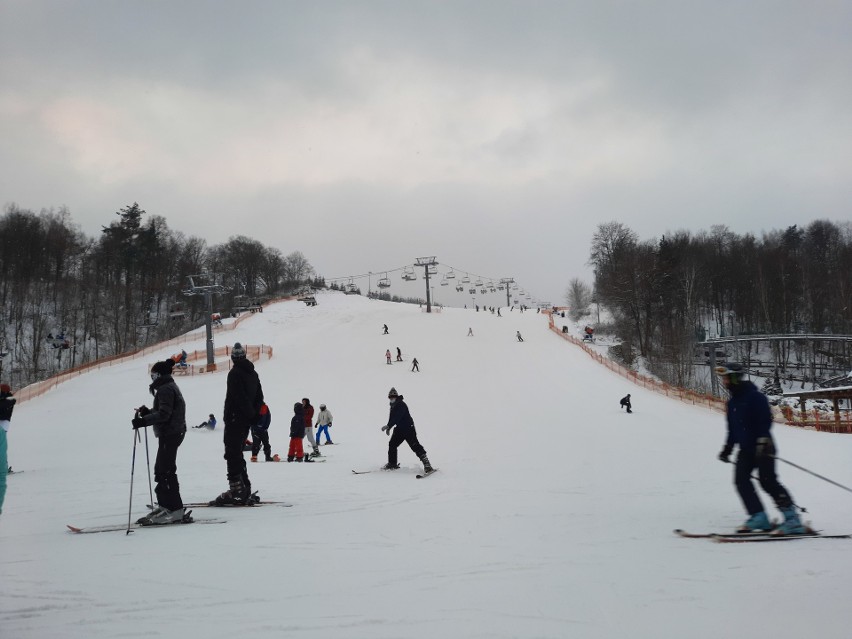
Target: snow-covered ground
<point>551,515</point>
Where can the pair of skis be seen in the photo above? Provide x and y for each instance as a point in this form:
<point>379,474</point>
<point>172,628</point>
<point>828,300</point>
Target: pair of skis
<point>421,476</point>
<point>761,536</point>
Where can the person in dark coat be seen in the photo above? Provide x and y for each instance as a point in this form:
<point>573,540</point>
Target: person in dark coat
<point>401,419</point>
<point>260,434</point>
<point>7,405</point>
<point>625,403</point>
<point>296,452</point>
<point>749,423</point>
<point>168,417</point>
<point>243,400</point>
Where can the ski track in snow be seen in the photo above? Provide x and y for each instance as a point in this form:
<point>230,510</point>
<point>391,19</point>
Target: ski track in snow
<point>551,515</point>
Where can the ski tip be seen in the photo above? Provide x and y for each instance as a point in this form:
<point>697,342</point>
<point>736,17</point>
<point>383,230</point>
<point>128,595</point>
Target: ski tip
<point>74,529</point>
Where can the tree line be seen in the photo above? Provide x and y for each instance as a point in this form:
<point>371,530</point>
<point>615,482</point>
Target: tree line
<point>666,294</point>
<point>68,298</point>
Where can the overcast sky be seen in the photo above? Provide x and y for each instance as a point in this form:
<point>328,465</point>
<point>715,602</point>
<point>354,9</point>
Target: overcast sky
<point>493,135</point>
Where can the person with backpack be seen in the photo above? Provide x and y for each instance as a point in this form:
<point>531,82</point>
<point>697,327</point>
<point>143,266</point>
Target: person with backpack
<point>400,418</point>
<point>168,417</point>
<point>260,434</point>
<point>7,405</point>
<point>243,399</point>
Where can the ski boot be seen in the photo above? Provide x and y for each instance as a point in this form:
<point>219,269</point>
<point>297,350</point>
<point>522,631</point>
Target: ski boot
<point>792,525</point>
<point>316,452</point>
<point>427,467</point>
<point>143,521</point>
<point>390,466</point>
<point>270,458</point>
<point>308,459</point>
<point>163,516</point>
<point>756,523</point>
<point>236,496</point>
<point>254,458</point>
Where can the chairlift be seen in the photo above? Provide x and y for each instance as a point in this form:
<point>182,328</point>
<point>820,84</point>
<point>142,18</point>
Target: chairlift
<point>483,290</point>
<point>408,274</point>
<point>465,280</point>
<point>514,287</point>
<point>450,275</point>
<point>478,281</point>
<point>432,269</point>
<point>351,289</point>
<point>384,282</point>
<point>460,289</point>
<point>444,281</point>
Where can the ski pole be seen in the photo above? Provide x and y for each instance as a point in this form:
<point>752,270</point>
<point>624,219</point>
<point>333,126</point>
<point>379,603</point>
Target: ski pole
<point>757,479</point>
<point>132,469</point>
<point>814,474</point>
<point>148,459</point>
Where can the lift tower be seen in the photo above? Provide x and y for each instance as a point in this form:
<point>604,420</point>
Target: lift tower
<point>430,267</point>
<point>206,284</point>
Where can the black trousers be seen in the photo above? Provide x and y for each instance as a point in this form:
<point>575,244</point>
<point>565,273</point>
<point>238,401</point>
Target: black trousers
<point>260,437</point>
<point>234,437</point>
<point>165,472</point>
<point>408,435</point>
<point>746,463</point>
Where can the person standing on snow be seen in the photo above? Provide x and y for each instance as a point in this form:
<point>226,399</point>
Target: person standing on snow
<point>749,423</point>
<point>309,425</point>
<point>324,422</point>
<point>415,365</point>
<point>260,434</point>
<point>7,405</point>
<point>398,354</point>
<point>388,356</point>
<point>168,417</point>
<point>385,329</point>
<point>297,434</point>
<point>625,403</point>
<point>518,335</point>
<point>405,432</point>
<point>243,400</point>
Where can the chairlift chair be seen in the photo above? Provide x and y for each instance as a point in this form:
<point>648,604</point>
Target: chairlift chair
<point>450,275</point>
<point>472,291</point>
<point>465,280</point>
<point>478,281</point>
<point>444,281</point>
<point>384,282</point>
<point>459,288</point>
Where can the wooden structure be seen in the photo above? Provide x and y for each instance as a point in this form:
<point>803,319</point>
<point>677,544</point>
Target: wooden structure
<point>840,424</point>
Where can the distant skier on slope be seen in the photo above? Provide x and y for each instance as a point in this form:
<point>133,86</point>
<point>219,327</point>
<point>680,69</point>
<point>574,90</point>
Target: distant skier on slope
<point>405,432</point>
<point>625,403</point>
<point>749,423</point>
<point>323,423</point>
<point>168,417</point>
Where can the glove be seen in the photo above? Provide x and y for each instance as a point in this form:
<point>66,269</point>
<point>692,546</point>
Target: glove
<point>137,422</point>
<point>765,448</point>
<point>387,429</point>
<point>143,410</point>
<point>725,454</point>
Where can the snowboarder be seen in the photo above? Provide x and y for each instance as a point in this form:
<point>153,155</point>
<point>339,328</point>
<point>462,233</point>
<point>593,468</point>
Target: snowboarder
<point>210,423</point>
<point>260,434</point>
<point>7,405</point>
<point>405,432</point>
<point>388,356</point>
<point>398,354</point>
<point>625,403</point>
<point>309,425</point>
<point>415,365</point>
<point>518,335</point>
<point>324,423</point>
<point>296,451</point>
<point>385,329</point>
<point>749,423</point>
<point>168,417</point>
<point>243,400</point>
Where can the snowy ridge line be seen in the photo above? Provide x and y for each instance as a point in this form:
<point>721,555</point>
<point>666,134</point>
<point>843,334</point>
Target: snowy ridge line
<point>40,388</point>
<point>684,395</point>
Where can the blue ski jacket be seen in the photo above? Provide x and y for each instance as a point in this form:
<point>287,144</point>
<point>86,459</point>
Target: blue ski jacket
<point>749,416</point>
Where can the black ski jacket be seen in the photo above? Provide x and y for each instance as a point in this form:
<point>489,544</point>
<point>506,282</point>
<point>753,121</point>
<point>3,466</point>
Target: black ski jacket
<point>7,404</point>
<point>244,396</point>
<point>297,424</point>
<point>399,415</point>
<point>168,416</point>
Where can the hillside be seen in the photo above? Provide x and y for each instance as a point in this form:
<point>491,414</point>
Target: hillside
<point>551,515</point>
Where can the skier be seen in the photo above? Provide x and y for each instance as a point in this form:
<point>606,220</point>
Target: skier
<point>749,423</point>
<point>385,329</point>
<point>388,356</point>
<point>168,417</point>
<point>415,365</point>
<point>260,434</point>
<point>398,354</point>
<point>324,422</point>
<point>297,434</point>
<point>470,331</point>
<point>309,425</point>
<point>518,335</point>
<point>7,405</point>
<point>405,432</point>
<point>625,403</point>
<point>210,423</point>
<point>243,400</point>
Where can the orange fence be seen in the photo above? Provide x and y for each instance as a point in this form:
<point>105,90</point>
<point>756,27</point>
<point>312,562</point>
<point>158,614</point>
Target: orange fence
<point>39,388</point>
<point>818,420</point>
<point>253,353</point>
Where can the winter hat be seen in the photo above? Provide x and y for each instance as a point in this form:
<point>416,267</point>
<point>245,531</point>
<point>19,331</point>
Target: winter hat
<point>264,409</point>
<point>322,406</point>
<point>163,368</point>
<point>305,400</point>
<point>392,393</point>
<point>238,352</point>
<point>298,407</point>
<point>5,388</point>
